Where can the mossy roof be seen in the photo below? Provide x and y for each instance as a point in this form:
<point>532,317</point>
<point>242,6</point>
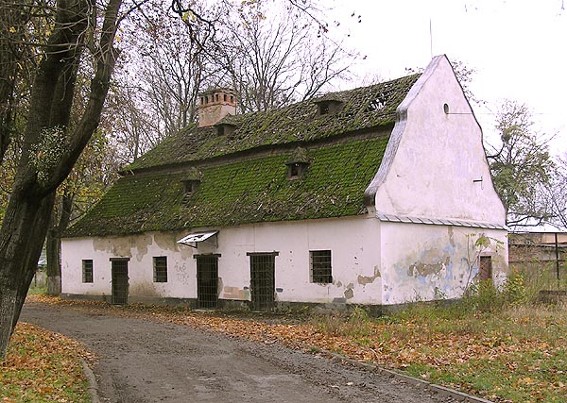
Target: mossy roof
<point>251,190</point>
<point>363,108</point>
<point>243,177</point>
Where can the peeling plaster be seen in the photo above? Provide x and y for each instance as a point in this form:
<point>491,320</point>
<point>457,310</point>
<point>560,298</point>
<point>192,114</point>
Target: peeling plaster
<point>419,269</point>
<point>123,246</point>
<point>219,285</point>
<point>363,280</point>
<point>236,293</point>
<point>349,292</point>
<point>166,240</point>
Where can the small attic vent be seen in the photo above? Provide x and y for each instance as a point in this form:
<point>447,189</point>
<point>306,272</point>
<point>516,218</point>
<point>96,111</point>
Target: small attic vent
<point>377,103</point>
<point>297,164</point>
<point>329,106</point>
<point>191,183</point>
<point>225,129</point>
<point>190,186</point>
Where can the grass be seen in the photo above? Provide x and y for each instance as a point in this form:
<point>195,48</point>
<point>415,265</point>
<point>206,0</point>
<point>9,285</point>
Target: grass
<point>499,344</point>
<point>42,366</point>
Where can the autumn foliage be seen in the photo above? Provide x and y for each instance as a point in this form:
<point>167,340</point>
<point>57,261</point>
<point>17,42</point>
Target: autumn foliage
<point>42,366</point>
<point>516,355</point>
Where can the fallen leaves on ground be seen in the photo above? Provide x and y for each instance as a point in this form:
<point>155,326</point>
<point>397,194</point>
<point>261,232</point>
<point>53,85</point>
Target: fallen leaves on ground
<point>514,357</point>
<point>42,366</point>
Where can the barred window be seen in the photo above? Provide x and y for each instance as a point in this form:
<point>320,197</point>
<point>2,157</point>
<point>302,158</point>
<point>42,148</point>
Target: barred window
<point>321,271</point>
<point>87,271</point>
<point>160,269</point>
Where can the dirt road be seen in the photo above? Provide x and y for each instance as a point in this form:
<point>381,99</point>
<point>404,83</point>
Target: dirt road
<point>143,361</point>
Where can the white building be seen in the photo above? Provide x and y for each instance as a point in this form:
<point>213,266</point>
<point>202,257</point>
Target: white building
<point>379,196</point>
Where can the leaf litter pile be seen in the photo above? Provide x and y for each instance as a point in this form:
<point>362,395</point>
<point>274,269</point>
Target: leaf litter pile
<point>518,355</point>
<point>43,366</point>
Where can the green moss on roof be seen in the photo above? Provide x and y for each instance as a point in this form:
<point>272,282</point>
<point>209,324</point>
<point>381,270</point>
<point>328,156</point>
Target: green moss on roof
<point>363,108</point>
<point>245,191</point>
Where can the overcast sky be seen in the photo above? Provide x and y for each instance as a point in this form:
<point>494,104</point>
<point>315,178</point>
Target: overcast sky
<point>517,47</point>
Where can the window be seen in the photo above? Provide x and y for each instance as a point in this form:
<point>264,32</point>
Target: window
<point>225,129</point>
<point>160,269</point>
<point>329,106</point>
<point>321,271</point>
<point>294,170</point>
<point>87,271</point>
<point>190,186</point>
<point>298,163</point>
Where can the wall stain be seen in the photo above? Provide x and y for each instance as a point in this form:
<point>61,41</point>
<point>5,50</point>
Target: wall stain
<point>166,240</point>
<point>363,280</point>
<point>451,236</point>
<point>419,269</point>
<point>143,290</point>
<point>123,246</point>
<point>235,293</point>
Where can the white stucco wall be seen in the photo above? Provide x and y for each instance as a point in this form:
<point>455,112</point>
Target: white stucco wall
<point>435,165</point>
<point>426,262</point>
<point>354,242</point>
<point>434,168</point>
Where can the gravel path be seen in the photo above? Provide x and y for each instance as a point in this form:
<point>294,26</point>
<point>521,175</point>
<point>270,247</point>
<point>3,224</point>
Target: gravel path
<point>146,361</point>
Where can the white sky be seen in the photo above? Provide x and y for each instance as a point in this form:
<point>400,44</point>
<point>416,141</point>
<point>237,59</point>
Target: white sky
<point>517,47</point>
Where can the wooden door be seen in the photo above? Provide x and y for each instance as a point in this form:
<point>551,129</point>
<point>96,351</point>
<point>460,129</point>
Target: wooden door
<point>485,271</point>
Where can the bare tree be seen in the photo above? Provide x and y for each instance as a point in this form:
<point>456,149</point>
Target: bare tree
<point>273,58</point>
<point>156,88</point>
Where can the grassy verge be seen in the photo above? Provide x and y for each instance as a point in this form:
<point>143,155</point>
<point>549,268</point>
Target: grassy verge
<point>42,366</point>
<point>486,344</point>
<point>517,354</point>
<point>501,345</point>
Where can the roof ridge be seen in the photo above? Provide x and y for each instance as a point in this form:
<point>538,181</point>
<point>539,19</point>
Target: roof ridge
<point>363,108</point>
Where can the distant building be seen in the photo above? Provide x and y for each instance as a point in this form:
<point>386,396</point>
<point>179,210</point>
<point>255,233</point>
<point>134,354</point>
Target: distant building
<point>538,247</point>
<point>370,196</point>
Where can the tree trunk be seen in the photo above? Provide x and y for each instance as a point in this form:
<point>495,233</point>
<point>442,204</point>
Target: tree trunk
<point>59,222</point>
<point>21,240</point>
<point>31,201</point>
<point>53,268</point>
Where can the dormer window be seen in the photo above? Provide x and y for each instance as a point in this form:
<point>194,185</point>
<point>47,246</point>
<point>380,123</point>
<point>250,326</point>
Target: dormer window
<point>298,164</point>
<point>191,183</point>
<point>328,106</point>
<point>297,170</point>
<point>190,186</point>
<point>225,129</point>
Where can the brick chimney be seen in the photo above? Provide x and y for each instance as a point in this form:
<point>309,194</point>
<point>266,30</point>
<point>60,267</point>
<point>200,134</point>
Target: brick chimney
<point>216,104</point>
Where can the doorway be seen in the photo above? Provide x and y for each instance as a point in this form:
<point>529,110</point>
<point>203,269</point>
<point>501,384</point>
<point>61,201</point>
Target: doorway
<point>485,269</point>
<point>120,284</point>
<point>207,280</point>
<point>262,280</point>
